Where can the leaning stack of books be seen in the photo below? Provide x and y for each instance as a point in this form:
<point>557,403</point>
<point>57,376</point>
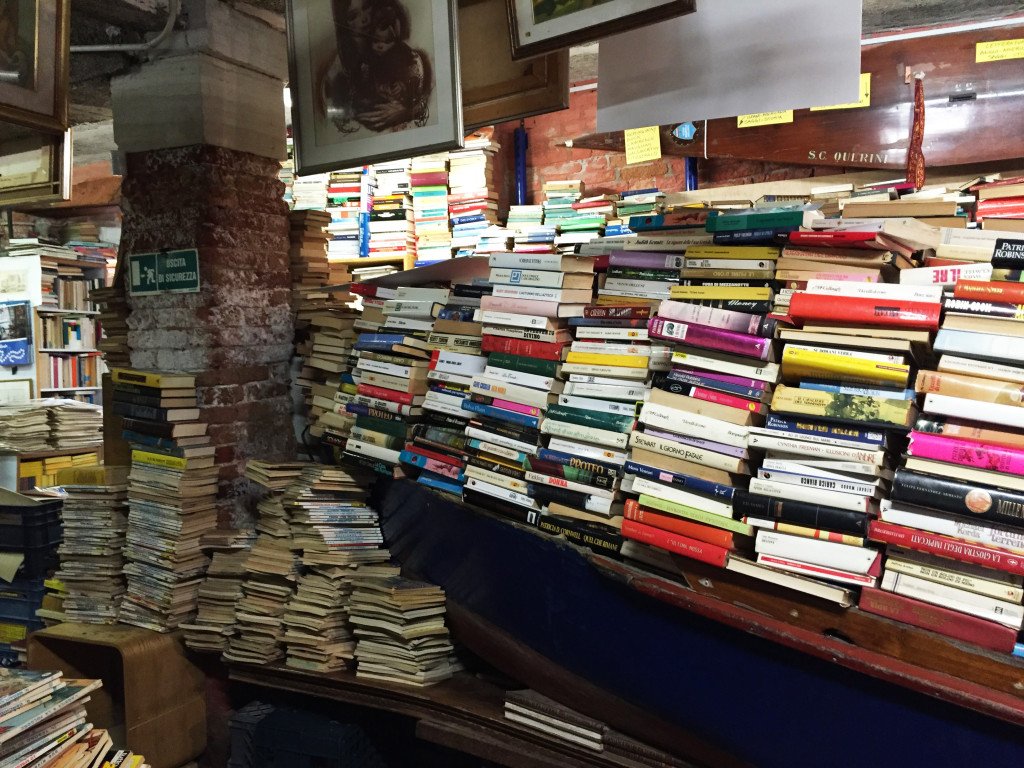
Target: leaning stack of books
<point>308,254</point>
<point>172,491</point>
<point>429,181</point>
<point>113,319</point>
<point>472,199</point>
<point>392,367</point>
<point>346,193</point>
<point>95,519</point>
<point>221,589</point>
<point>400,629</point>
<point>329,356</point>
<point>391,229</point>
<point>1001,205</point>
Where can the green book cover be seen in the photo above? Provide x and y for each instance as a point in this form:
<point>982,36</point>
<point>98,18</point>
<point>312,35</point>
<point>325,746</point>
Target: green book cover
<point>733,222</point>
<point>609,421</point>
<point>394,428</point>
<point>523,364</point>
<point>697,515</point>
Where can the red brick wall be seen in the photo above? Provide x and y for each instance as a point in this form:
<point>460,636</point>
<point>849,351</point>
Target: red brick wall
<point>548,158</point>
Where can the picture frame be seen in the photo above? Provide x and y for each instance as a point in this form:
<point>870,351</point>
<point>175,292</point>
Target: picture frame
<point>35,40</point>
<point>371,81</point>
<point>541,26</point>
<point>37,165</point>
<point>495,87</point>
<point>15,391</point>
<point>15,333</point>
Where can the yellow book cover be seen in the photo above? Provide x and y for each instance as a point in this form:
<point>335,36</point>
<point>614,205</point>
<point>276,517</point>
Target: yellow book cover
<point>152,378</point>
<point>606,301</point>
<point>745,252</point>
<point>870,410</point>
<point>95,475</point>
<point>596,358</point>
<point>727,274</point>
<point>713,292</point>
<point>811,364</point>
<point>159,460</point>
<point>30,469</point>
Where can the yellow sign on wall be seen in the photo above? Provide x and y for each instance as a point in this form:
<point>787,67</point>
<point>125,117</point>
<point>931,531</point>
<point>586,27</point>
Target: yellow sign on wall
<point>865,96</point>
<point>999,50</point>
<point>765,118</point>
<point>642,144</point>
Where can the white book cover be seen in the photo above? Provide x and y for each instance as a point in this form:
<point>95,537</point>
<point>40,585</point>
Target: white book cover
<point>606,391</point>
<point>378,366</point>
<point>595,452</point>
<point>686,452</point>
<point>607,348</point>
<point>953,574</point>
<point>402,323</point>
<point>693,424</point>
<point>605,371</point>
<point>679,496</point>
<point>459,362</point>
<point>423,309</point>
<point>991,413</point>
<point>373,451</point>
<point>923,293</point>
<point>819,450</point>
<point>519,378</point>
<point>811,438</point>
<point>570,485</point>
<point>452,378</point>
<point>765,264</point>
<point>813,570</point>
<point>512,318</point>
<point>841,595</point>
<point>587,434</point>
<point>982,606</point>
<point>598,406</point>
<point>844,557</point>
<point>798,468</point>
<point>593,332</point>
<point>506,442</point>
<point>501,493</point>
<point>408,293</point>
<point>838,499</point>
<point>846,467</point>
<point>535,277</point>
<point>809,480</point>
<point>527,292</point>
<point>583,378</point>
<point>707,362</point>
<point>945,275</point>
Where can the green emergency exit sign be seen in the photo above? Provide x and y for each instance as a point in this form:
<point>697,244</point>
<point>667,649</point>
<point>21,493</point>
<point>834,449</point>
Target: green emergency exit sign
<point>166,272</point>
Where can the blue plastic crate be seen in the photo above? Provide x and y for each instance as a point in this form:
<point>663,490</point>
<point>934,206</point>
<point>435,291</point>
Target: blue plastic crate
<point>21,599</point>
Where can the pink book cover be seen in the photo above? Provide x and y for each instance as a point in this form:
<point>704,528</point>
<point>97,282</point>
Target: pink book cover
<point>508,405</point>
<point>954,624</point>
<point>756,347</point>
<point>947,546</point>
<point>819,571</point>
<point>441,468</point>
<point>711,396</point>
<point>646,260</point>
<point>725,319</point>
<point>980,455</point>
<point>519,306</point>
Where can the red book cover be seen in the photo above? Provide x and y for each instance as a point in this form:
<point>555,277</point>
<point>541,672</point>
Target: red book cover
<point>435,179</point>
<point>592,204</point>
<point>947,546</point>
<point>838,239</point>
<point>540,349</point>
<point>618,311</point>
<point>959,626</point>
<point>405,398</point>
<point>679,525</point>
<point>1000,207</point>
<point>601,262</point>
<point>857,310</point>
<point>673,542</point>
<point>473,194</point>
<point>994,291</point>
<point>934,261</point>
<point>998,183</point>
<point>428,454</point>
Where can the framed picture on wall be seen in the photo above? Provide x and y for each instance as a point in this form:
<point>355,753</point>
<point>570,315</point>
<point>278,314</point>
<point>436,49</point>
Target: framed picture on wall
<point>372,80</point>
<point>34,54</point>
<point>15,391</point>
<point>542,26</point>
<point>15,333</point>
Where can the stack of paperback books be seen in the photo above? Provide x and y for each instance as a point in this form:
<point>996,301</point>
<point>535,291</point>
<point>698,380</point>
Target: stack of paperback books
<point>308,254</point>
<point>317,634</point>
<point>348,197</point>
<point>75,425</point>
<point>24,427</point>
<point>551,720</point>
<point>329,356</point>
<point>95,519</point>
<point>472,199</point>
<point>634,277</point>
<point>399,627</point>
<point>220,591</point>
<point>429,179</point>
<point>172,492</point>
<point>392,371</point>
<point>494,239</point>
<point>391,229</point>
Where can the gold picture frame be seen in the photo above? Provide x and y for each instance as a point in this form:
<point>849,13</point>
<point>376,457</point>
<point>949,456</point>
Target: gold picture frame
<point>34,56</point>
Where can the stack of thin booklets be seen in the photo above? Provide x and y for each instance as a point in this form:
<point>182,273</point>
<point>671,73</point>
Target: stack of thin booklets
<point>221,589</point>
<point>95,519</point>
<point>43,721</point>
<point>399,627</point>
<point>75,425</point>
<point>113,318</point>
<point>271,569</point>
<point>548,719</point>
<point>328,358</point>
<point>308,256</point>
<point>429,179</point>
<point>24,427</point>
<point>392,367</point>
<point>172,493</point>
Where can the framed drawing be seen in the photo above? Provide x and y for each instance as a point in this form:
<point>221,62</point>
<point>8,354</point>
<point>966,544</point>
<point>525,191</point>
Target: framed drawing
<point>496,88</point>
<point>36,165</point>
<point>372,80</point>
<point>34,54</point>
<point>15,391</point>
<point>15,333</point>
<point>542,26</point>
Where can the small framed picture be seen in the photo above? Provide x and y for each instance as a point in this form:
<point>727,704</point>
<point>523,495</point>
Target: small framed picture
<point>34,55</point>
<point>15,333</point>
<point>15,391</point>
<point>542,26</point>
<point>372,80</point>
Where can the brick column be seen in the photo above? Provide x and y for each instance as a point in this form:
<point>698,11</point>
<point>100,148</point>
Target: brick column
<point>202,129</point>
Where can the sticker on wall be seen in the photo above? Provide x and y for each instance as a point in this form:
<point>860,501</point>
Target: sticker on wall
<point>765,118</point>
<point>999,50</point>
<point>642,144</point>
<point>685,132</point>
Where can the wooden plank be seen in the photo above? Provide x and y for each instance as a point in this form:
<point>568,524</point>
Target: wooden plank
<point>972,111</point>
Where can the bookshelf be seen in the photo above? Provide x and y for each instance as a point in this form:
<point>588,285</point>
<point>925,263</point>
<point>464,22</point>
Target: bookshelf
<point>17,466</point>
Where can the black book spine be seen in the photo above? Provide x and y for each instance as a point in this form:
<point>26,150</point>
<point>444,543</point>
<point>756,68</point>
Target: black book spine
<point>146,427</point>
<point>739,283</point>
<point>548,493</point>
<point>443,420</point>
<point>970,500</point>
<point>139,411</point>
<point>447,450</point>
<point>471,291</point>
<point>507,428</point>
<point>1008,253</point>
<point>494,504</point>
<point>492,466</point>
<point>124,388</point>
<point>597,537</point>
<point>983,308</point>
<point>745,504</point>
<point>143,400</point>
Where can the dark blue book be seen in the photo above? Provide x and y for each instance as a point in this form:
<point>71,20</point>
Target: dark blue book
<point>469,218</point>
<point>695,484</point>
<point>571,460</point>
<point>761,236</point>
<point>501,414</point>
<point>684,377</point>
<point>364,410</point>
<point>850,434</point>
<point>441,483</point>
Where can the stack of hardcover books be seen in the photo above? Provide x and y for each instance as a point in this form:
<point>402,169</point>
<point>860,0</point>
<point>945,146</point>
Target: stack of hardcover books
<point>399,627</point>
<point>1001,205</point>
<point>429,179</point>
<point>95,519</point>
<point>220,591</point>
<point>392,368</point>
<point>172,492</point>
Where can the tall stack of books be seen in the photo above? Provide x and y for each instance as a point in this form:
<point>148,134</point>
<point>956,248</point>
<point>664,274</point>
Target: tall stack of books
<point>172,491</point>
<point>393,177</point>
<point>429,180</point>
<point>959,489</point>
<point>392,368</point>
<point>399,627</point>
<point>329,356</point>
<point>310,192</point>
<point>74,425</point>
<point>308,254</point>
<point>113,320</point>
<point>221,589</point>
<point>24,427</point>
<point>347,201</point>
<point>95,519</point>
<point>391,227</point>
<point>336,531</point>
<point>472,199</point>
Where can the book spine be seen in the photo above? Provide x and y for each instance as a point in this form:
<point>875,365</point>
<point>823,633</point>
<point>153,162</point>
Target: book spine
<point>144,427</point>
<point>945,274</point>
<point>800,363</point>
<point>711,396</point>
<point>859,310</point>
<point>682,497</point>
<point>1009,293</point>
<point>519,306</point>
<point>382,393</point>
<point>936,544</point>
<point>953,598</point>
<point>716,536</point>
<point>807,514</point>
<point>973,501</point>
<point>817,552</point>
<point>139,411</point>
<point>686,358</point>
<point>822,483</point>
<point>569,473</point>
<point>674,542</point>
<point>739,322</point>
<point>838,499</point>
<point>586,434</point>
<point>695,484</point>
<point>696,515</point>
<point>153,381</point>
<point>980,455</point>
<point>159,460</point>
<point>508,405</point>
<point>685,378</point>
<point>617,312</point>
<point>497,412</point>
<point>690,423</point>
<point>522,348</point>
<point>646,260</point>
<point>1004,310</point>
<point>685,452</point>
<point>944,621</point>
<point>711,338</point>
<point>1007,349</point>
<point>810,533</point>
<point>587,418</point>
<point>712,293</point>
<point>815,570</point>
<point>987,587</point>
<point>970,388</point>
<point>593,537</point>
<point>951,427</point>
<point>810,402</point>
<point>612,360</point>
